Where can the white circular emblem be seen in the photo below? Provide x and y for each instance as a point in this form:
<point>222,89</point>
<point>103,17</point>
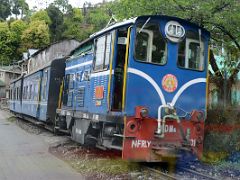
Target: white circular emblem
<point>169,83</point>
<point>174,31</point>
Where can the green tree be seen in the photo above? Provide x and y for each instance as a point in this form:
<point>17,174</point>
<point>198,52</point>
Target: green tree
<point>36,35</point>
<point>75,27</point>
<point>6,44</point>
<point>5,9</point>
<point>98,17</point>
<point>17,27</point>
<point>19,7</point>
<point>63,5</point>
<point>56,27</point>
<point>41,15</point>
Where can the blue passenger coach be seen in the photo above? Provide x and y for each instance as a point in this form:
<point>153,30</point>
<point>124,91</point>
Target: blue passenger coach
<point>35,96</point>
<point>138,86</point>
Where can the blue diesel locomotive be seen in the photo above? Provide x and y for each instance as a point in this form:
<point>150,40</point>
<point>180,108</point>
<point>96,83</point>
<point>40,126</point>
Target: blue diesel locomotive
<point>139,86</point>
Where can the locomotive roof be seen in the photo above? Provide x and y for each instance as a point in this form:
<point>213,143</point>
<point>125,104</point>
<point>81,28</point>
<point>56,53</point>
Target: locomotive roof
<point>133,20</point>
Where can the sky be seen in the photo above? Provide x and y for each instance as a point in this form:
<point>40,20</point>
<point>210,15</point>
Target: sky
<point>41,4</point>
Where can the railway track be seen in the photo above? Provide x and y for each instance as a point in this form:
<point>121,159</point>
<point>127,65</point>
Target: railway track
<point>205,176</point>
<point>160,174</point>
<point>187,174</point>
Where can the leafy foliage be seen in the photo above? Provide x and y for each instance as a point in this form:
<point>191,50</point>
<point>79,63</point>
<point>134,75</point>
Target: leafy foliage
<point>56,27</point>
<point>41,15</point>
<point>6,44</point>
<point>75,27</point>
<point>17,27</point>
<point>98,17</point>
<point>19,7</point>
<point>36,35</point>
<point>62,5</point>
<point>5,9</point>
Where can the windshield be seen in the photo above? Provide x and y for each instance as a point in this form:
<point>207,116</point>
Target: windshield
<point>190,53</point>
<point>150,46</point>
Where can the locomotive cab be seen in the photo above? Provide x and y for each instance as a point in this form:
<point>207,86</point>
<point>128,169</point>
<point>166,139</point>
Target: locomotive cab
<point>166,76</point>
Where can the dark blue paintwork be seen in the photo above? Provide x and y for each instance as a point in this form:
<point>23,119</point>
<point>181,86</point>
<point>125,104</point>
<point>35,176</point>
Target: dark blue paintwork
<point>193,97</point>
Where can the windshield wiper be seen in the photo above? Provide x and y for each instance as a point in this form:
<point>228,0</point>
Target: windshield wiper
<point>144,25</point>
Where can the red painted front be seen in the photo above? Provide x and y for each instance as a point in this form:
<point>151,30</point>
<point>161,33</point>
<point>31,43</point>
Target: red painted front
<point>142,144</point>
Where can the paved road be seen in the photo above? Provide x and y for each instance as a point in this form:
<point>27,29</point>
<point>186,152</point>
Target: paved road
<point>25,156</point>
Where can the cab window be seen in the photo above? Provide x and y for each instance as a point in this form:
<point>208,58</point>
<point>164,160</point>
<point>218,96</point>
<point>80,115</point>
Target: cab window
<point>102,52</point>
<point>150,47</point>
<point>191,52</point>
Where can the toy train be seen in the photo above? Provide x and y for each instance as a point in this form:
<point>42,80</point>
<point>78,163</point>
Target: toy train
<point>138,86</point>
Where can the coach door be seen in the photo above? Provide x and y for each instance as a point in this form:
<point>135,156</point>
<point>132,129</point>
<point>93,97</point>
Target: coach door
<point>120,69</point>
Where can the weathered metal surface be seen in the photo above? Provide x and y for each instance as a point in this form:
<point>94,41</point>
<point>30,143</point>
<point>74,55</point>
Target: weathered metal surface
<point>54,51</point>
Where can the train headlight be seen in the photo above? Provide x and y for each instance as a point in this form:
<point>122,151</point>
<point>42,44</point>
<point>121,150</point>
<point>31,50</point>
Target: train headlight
<point>144,112</point>
<point>174,31</point>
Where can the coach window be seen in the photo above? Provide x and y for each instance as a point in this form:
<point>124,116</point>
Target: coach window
<point>26,95</point>
<point>17,94</point>
<point>14,95</point>
<point>150,47</point>
<point>35,92</point>
<point>102,52</point>
<point>30,92</point>
<point>191,52</point>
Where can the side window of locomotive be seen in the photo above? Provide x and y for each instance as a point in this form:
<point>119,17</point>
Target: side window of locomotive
<point>71,81</point>
<point>102,52</point>
<point>78,76</point>
<point>107,50</point>
<point>150,46</point>
<point>66,87</point>
<point>86,76</point>
<point>191,52</point>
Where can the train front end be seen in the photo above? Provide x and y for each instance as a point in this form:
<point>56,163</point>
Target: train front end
<point>166,89</point>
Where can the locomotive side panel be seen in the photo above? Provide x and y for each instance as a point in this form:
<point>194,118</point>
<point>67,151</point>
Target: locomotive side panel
<point>76,89</point>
